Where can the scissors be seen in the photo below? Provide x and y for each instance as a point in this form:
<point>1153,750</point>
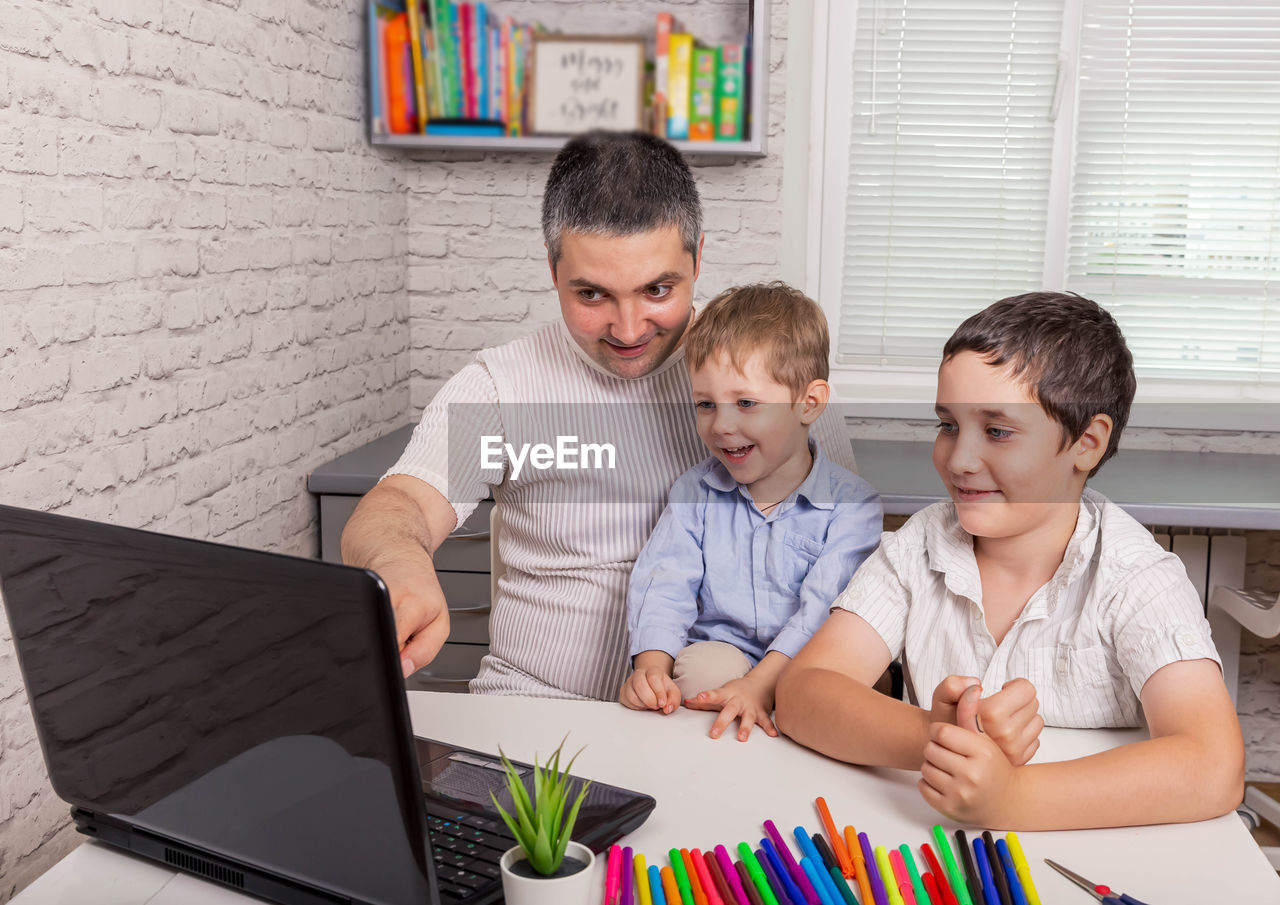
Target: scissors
<point>1103,894</point>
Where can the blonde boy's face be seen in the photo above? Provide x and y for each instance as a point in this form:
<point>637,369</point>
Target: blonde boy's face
<point>751,423</point>
<point>999,454</point>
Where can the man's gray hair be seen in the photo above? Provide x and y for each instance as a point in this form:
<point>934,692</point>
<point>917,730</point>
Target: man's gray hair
<point>619,184</point>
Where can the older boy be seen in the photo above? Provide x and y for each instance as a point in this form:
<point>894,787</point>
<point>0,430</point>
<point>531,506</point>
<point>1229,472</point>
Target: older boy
<point>758,538</point>
<point>1027,585</point>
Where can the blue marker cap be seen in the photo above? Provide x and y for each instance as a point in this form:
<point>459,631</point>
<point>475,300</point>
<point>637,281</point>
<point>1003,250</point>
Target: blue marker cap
<point>989,894</point>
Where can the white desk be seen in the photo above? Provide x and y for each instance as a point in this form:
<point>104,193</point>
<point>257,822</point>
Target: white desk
<point>721,791</point>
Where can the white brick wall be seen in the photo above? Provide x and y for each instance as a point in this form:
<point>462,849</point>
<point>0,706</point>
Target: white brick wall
<point>209,283</point>
<point>202,297</point>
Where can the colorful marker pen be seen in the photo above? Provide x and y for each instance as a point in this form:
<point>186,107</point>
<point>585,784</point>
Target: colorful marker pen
<point>814,873</point>
<point>989,894</point>
<point>628,884</point>
<point>655,885</point>
<point>613,875</point>
<point>1010,873</point>
<point>903,878</point>
<point>704,877</point>
<point>886,875</point>
<point>695,885</point>
<point>958,887</point>
<point>878,892</point>
<point>642,882</point>
<point>1024,869</point>
<point>784,875</point>
<point>775,881</point>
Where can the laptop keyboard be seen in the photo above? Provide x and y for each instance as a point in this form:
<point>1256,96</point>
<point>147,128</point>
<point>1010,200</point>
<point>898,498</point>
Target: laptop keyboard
<point>467,849</point>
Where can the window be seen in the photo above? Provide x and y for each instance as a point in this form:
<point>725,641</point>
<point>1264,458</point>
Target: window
<point>1128,150</point>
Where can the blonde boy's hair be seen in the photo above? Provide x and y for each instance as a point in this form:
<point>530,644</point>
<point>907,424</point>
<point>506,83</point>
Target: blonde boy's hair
<point>774,319</point>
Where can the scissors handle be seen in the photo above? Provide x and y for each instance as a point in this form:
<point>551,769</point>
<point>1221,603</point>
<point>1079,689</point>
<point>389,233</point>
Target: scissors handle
<point>1122,899</point>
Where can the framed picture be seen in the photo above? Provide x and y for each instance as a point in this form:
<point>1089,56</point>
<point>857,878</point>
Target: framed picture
<point>581,82</point>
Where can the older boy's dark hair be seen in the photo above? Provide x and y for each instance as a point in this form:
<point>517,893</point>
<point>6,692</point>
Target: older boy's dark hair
<point>619,184</point>
<point>1067,348</point>
<point>778,321</point>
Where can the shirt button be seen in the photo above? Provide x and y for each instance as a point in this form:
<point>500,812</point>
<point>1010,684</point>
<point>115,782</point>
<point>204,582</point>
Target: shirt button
<point>1185,636</point>
<point>1062,665</point>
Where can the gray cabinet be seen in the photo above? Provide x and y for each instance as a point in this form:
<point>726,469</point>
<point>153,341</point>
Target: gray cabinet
<point>462,562</point>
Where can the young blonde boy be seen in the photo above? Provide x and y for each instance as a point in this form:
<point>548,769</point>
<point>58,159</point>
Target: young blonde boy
<point>756,540</point>
<point>1034,591</point>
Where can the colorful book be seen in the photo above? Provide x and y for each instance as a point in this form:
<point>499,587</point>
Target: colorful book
<point>376,28</point>
<point>661,61</point>
<point>398,69</point>
<point>679,73</point>
<point>455,61</point>
<point>702,95</point>
<point>416,41</point>
<point>466,41</point>
<point>439,34</point>
<point>730,100</point>
<point>482,61</point>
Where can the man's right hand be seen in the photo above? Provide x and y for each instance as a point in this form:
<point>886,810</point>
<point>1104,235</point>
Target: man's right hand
<point>422,614</point>
<point>393,531</point>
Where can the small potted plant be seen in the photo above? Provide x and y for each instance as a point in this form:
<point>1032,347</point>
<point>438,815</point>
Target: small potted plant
<point>545,867</point>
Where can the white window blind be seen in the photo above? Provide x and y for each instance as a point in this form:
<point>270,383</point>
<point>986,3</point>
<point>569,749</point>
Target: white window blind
<point>1176,193</point>
<point>948,168</point>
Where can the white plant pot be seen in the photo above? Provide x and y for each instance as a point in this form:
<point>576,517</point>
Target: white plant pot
<point>575,889</point>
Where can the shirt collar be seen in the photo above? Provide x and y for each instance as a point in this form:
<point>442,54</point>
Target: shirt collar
<point>951,553</point>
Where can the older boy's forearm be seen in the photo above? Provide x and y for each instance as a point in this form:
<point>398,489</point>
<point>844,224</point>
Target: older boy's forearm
<point>845,719</point>
<point>1174,779</point>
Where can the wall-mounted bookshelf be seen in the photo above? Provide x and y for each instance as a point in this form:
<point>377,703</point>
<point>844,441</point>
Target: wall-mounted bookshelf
<point>755,124</point>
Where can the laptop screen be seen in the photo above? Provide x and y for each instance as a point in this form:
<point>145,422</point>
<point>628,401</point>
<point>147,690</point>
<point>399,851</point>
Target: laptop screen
<point>245,703</point>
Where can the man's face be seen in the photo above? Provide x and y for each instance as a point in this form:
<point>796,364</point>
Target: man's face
<point>626,299</point>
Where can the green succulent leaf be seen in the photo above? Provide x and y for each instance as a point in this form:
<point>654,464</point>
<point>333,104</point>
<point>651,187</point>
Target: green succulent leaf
<point>539,823</point>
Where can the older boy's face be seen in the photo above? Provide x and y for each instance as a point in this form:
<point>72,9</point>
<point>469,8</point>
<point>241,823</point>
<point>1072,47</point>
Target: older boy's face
<point>750,422</point>
<point>626,299</point>
<point>999,454</point>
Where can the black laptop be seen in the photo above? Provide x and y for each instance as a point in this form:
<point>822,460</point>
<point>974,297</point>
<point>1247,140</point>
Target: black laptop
<point>241,716</point>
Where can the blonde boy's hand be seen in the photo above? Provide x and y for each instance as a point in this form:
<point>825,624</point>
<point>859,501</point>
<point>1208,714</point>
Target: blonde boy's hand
<point>650,688</point>
<point>743,699</point>
<point>1010,718</point>
<point>967,777</point>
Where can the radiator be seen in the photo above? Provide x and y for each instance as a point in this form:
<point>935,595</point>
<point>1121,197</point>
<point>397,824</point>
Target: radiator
<point>1212,560</point>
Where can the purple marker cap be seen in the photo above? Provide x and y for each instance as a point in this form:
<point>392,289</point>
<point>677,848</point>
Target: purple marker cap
<point>797,897</point>
<point>775,882</point>
<point>627,883</point>
<point>873,873</point>
<point>797,873</point>
<point>731,875</point>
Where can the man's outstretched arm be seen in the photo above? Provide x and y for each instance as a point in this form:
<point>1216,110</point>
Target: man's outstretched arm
<point>394,531</point>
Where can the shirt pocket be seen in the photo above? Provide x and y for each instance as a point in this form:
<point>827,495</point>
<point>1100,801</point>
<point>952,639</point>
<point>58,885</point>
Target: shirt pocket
<point>791,556</point>
<point>1075,686</point>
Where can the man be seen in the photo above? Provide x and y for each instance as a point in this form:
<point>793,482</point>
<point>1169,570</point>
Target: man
<point>622,222</point>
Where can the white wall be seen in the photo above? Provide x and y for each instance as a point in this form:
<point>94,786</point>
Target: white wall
<point>201,289</point>
<point>210,284</point>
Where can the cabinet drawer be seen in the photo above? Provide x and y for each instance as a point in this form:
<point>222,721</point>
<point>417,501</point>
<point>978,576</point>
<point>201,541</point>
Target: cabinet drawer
<point>468,597</point>
<point>467,548</point>
<point>453,667</point>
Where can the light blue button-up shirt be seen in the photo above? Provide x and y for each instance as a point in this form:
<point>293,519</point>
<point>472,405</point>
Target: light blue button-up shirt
<point>717,569</point>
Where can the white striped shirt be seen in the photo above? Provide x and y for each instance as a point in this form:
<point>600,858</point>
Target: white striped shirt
<point>569,537</point>
<point>1117,609</point>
